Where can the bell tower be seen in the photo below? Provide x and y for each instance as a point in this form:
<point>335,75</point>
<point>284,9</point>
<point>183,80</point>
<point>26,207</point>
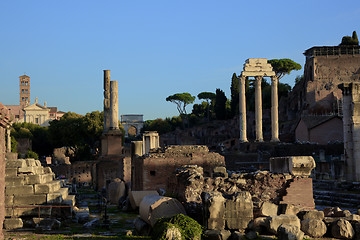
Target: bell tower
<point>24,84</point>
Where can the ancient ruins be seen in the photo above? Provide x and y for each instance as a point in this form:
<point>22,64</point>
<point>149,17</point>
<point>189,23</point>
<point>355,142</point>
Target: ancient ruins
<point>258,68</point>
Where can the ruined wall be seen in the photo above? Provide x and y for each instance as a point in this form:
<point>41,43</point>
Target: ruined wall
<point>5,121</point>
<point>157,170</point>
<point>331,130</point>
<point>323,74</point>
<point>2,178</point>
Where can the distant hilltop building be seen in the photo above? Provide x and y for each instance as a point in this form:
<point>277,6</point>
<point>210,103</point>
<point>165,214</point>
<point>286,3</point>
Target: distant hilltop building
<point>32,113</point>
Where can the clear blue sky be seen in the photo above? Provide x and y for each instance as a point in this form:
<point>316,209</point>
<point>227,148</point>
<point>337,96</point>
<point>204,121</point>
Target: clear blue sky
<point>154,48</point>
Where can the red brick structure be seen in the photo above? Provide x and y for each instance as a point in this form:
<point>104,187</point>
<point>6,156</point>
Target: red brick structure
<point>157,169</point>
<point>299,193</point>
<point>5,122</point>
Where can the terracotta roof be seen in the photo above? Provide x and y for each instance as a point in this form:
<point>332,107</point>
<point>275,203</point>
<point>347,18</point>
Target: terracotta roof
<point>312,121</point>
<point>16,110</point>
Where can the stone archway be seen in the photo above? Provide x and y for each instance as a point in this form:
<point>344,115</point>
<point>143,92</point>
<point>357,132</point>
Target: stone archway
<point>132,131</point>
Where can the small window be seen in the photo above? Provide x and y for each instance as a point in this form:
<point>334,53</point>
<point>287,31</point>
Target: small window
<point>152,173</point>
<point>37,120</point>
<point>22,90</point>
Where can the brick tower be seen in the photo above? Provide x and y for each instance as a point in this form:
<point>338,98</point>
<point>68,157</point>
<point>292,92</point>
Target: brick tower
<point>24,84</point>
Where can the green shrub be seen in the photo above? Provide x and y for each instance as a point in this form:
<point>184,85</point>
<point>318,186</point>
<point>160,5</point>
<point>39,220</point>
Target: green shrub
<point>31,154</point>
<point>189,228</point>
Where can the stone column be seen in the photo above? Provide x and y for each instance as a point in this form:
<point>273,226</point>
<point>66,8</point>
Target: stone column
<point>106,100</point>
<point>8,141</point>
<point>347,128</point>
<point>274,110</point>
<point>258,110</point>
<point>114,105</point>
<point>242,109</point>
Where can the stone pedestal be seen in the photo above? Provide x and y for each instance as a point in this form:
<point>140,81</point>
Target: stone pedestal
<point>111,143</point>
<point>150,141</point>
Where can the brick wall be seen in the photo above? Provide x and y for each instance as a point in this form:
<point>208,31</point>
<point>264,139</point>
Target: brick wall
<point>157,170</point>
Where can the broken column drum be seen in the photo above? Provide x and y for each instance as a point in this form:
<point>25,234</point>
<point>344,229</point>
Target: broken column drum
<point>258,68</point>
<point>106,100</point>
<point>114,105</point>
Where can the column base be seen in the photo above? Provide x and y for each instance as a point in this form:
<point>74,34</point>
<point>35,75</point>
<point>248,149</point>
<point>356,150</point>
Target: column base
<point>243,141</point>
<point>275,140</point>
<point>259,140</point>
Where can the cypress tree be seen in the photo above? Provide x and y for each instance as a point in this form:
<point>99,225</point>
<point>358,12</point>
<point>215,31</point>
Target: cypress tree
<point>355,38</point>
<point>234,95</point>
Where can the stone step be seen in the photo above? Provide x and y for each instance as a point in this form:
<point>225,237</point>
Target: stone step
<point>15,180</point>
<point>69,200</point>
<point>329,198</point>
<point>29,199</point>
<point>19,190</point>
<point>47,187</point>
<point>13,223</point>
<point>39,178</point>
<point>27,211</point>
<point>58,196</point>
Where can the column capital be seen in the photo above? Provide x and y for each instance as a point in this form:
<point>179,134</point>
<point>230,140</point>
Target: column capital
<point>258,78</point>
<point>274,78</point>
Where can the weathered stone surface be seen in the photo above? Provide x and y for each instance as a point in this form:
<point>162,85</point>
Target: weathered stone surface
<point>142,227</point>
<point>11,172</point>
<point>258,224</point>
<point>220,172</point>
<point>353,218</point>
<point>214,206</point>
<point>238,211</point>
<point>47,187</point>
<point>116,190</point>
<point>69,200</point>
<point>268,209</point>
<point>39,178</point>
<point>345,213</point>
<point>275,221</point>
<point>313,227</point>
<point>173,233</point>
<point>13,223</point>
<point>31,211</point>
<point>217,234</point>
<point>15,163</point>
<point>15,181</point>
<point>289,232</point>
<point>82,214</point>
<point>19,190</point>
<point>153,207</point>
<point>30,162</point>
<point>9,200</point>
<point>296,165</point>
<point>30,199</point>
<point>135,197</point>
<point>330,211</point>
<point>313,214</point>
<point>46,224</point>
<point>342,229</point>
<point>288,209</point>
<point>236,235</point>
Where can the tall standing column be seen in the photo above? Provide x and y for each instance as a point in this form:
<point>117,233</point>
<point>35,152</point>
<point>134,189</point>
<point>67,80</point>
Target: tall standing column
<point>106,100</point>
<point>274,110</point>
<point>242,109</point>
<point>8,140</point>
<point>258,109</point>
<point>114,105</point>
<point>348,133</point>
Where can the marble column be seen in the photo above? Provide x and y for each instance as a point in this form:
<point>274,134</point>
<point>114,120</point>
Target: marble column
<point>106,100</point>
<point>114,105</point>
<point>274,110</point>
<point>8,140</point>
<point>258,110</point>
<point>242,109</point>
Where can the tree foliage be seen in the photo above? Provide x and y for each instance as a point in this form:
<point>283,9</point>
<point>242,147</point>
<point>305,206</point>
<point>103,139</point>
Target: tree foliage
<point>220,105</point>
<point>234,88</point>
<point>208,96</point>
<point>283,66</point>
<point>181,100</point>
<point>347,40</point>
